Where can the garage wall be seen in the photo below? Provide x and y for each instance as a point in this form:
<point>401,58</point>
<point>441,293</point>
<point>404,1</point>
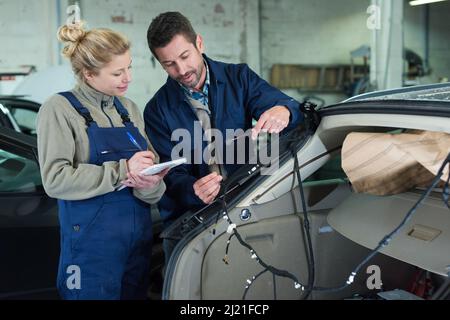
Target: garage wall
<point>230,30</point>
<point>27,32</point>
<point>279,31</point>
<point>258,32</point>
<point>439,43</point>
<point>324,32</point>
<point>312,32</point>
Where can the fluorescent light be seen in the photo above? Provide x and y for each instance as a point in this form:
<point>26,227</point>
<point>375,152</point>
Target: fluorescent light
<point>419,2</point>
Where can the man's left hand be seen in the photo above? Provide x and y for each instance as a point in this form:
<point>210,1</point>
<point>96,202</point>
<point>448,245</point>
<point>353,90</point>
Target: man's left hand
<point>273,120</point>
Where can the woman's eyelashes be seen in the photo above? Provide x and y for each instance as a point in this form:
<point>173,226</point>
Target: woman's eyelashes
<point>120,73</point>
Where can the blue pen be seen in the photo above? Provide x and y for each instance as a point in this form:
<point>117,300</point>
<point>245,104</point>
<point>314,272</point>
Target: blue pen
<point>133,141</point>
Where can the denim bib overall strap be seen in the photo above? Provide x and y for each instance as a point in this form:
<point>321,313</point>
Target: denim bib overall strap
<point>106,240</point>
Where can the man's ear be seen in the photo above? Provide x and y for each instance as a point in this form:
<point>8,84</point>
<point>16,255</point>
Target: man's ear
<point>199,43</point>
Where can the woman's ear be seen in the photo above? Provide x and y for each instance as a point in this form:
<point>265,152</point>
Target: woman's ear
<point>87,74</point>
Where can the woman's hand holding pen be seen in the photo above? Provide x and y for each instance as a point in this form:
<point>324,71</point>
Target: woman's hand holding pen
<point>138,162</point>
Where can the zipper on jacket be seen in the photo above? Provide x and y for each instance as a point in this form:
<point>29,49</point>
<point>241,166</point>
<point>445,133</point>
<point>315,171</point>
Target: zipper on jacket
<point>221,167</point>
<point>104,104</point>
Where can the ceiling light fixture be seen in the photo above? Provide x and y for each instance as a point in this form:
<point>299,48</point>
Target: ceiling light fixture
<point>419,2</point>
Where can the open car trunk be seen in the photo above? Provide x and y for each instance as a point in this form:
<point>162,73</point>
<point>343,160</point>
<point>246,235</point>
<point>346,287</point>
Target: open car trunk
<point>344,226</point>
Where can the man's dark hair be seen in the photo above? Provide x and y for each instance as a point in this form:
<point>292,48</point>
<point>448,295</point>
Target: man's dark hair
<point>167,25</point>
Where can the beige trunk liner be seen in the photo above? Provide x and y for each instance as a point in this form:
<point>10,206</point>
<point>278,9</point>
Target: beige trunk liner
<point>423,242</point>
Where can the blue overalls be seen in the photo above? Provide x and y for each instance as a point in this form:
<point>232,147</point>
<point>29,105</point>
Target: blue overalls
<point>106,240</point>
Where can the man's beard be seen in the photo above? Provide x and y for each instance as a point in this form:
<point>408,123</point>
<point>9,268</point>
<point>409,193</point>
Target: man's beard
<point>192,84</point>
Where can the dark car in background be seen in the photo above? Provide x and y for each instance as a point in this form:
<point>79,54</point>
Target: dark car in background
<point>29,232</point>
<point>18,113</point>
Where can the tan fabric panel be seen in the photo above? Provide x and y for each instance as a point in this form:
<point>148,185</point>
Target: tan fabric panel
<point>385,164</point>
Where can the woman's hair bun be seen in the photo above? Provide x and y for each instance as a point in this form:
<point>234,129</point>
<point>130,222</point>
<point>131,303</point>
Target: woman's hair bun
<point>71,35</point>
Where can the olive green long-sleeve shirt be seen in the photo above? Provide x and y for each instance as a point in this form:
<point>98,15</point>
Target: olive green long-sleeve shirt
<point>63,147</point>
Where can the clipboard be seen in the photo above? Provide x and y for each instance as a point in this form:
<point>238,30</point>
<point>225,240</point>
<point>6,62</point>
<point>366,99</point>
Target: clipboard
<point>157,168</point>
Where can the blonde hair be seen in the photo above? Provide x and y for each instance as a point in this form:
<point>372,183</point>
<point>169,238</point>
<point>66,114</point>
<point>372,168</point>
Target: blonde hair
<point>90,50</point>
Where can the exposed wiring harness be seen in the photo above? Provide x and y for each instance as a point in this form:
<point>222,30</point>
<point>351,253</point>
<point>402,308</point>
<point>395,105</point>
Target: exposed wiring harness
<point>233,231</point>
<point>306,226</point>
<point>308,288</point>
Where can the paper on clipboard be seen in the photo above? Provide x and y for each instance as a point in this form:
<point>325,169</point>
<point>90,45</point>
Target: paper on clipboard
<point>157,168</point>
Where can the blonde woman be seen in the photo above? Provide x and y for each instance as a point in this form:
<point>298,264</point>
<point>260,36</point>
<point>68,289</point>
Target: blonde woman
<point>92,146</point>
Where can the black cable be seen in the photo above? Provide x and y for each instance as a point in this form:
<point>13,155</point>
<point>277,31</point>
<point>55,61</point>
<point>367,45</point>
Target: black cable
<point>310,252</point>
<point>274,280</point>
<point>273,270</point>
<point>225,258</point>
<point>251,281</point>
<point>224,189</point>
